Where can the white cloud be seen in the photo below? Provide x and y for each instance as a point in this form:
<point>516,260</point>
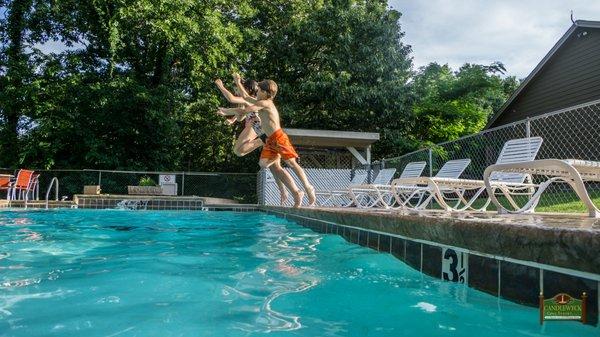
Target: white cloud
<point>517,33</point>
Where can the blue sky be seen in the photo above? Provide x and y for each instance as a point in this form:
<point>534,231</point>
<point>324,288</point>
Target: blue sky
<point>518,33</point>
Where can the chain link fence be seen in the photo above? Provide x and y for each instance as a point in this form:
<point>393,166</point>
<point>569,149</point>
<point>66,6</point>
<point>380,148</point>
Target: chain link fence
<point>572,133</point>
<point>236,186</point>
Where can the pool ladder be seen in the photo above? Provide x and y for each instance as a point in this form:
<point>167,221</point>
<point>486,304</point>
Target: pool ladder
<point>55,179</point>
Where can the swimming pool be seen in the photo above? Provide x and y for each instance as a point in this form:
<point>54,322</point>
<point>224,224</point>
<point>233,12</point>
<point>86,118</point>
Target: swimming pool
<point>143,273</point>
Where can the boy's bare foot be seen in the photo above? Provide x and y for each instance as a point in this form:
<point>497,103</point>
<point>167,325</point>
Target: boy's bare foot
<point>283,196</point>
<point>312,198</point>
<point>298,196</point>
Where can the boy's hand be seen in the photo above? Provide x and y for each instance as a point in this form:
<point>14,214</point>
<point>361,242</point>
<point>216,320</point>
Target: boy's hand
<point>237,78</point>
<point>218,82</point>
<point>230,120</point>
<point>220,112</point>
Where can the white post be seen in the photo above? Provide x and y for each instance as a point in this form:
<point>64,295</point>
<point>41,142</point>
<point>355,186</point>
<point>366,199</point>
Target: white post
<point>430,204</point>
<point>182,183</point>
<point>430,162</point>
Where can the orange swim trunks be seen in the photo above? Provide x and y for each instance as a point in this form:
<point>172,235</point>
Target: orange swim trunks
<point>278,144</point>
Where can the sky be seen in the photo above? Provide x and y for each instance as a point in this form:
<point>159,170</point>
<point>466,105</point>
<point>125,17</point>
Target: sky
<point>517,33</point>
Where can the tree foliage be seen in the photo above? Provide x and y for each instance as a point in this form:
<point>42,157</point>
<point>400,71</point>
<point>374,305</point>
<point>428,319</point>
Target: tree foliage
<point>450,104</point>
<point>131,85</point>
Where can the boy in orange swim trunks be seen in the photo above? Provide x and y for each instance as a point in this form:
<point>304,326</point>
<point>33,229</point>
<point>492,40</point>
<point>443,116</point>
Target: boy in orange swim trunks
<point>278,143</point>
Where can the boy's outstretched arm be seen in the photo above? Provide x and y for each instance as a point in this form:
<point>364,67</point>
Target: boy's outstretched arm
<point>238,82</point>
<point>227,94</point>
<point>237,111</point>
<point>230,112</point>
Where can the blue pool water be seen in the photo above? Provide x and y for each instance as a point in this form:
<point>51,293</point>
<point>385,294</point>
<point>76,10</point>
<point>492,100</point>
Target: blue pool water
<point>128,273</point>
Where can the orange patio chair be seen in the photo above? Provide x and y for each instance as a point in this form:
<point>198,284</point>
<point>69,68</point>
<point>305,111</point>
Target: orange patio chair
<point>5,183</point>
<point>23,185</point>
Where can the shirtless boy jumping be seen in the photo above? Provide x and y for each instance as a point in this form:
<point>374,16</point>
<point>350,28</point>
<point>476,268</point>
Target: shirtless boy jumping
<point>278,143</point>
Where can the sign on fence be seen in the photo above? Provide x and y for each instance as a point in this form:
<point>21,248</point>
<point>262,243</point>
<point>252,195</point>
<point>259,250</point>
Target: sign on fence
<point>168,183</point>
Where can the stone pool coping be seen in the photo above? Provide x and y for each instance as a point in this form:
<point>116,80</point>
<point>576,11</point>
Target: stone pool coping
<point>155,203</point>
<point>565,241</point>
<point>161,202</point>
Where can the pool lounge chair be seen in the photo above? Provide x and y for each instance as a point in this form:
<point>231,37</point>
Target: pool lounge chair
<point>339,196</point>
<point>571,171</point>
<point>365,195</point>
<point>5,181</point>
<point>381,195</point>
<point>24,185</point>
<point>509,184</point>
<point>406,190</point>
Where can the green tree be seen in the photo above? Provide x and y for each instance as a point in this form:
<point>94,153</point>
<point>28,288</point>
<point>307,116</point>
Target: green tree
<point>15,74</point>
<point>133,87</point>
<point>142,66</point>
<point>340,65</point>
<point>451,104</point>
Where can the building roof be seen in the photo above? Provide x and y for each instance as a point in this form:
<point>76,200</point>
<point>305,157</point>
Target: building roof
<point>538,68</point>
<point>329,138</point>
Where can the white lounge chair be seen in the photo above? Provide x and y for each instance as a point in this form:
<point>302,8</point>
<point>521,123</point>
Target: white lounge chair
<point>509,184</point>
<point>365,196</point>
<point>405,190</point>
<point>571,171</point>
<point>381,195</point>
<point>339,196</point>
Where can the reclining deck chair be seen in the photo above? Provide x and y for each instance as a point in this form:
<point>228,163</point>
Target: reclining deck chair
<point>571,171</point>
<point>509,184</point>
<point>405,190</point>
<point>364,196</point>
<point>382,195</point>
<point>339,196</point>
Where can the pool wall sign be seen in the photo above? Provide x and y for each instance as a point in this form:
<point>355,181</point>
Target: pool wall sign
<point>455,266</point>
<point>563,307</point>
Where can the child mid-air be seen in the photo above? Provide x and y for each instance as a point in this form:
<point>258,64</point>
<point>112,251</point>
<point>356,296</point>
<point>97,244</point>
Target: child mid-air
<point>277,143</point>
<point>252,136</point>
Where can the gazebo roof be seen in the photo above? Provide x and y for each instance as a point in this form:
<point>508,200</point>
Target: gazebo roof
<point>329,138</point>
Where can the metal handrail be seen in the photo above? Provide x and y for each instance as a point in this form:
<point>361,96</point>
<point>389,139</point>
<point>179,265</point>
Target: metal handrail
<point>50,188</point>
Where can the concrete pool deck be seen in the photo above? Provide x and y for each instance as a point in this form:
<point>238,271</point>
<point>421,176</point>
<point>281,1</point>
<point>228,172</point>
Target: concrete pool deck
<point>511,256</point>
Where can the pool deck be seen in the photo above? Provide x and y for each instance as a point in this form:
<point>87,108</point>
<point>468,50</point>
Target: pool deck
<point>568,241</point>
